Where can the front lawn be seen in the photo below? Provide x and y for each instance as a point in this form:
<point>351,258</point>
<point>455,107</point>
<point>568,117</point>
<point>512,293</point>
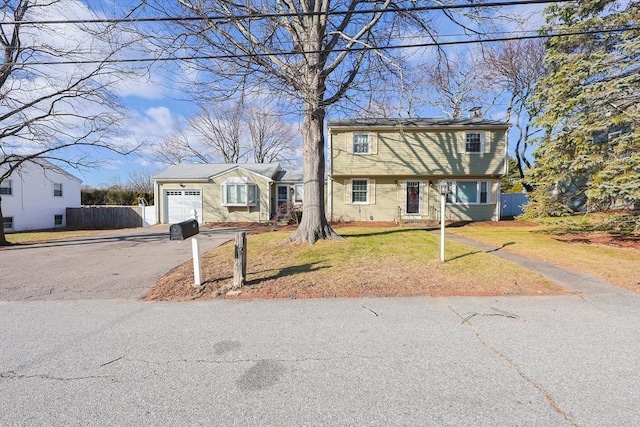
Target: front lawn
<point>23,237</point>
<point>612,257</point>
<point>393,261</point>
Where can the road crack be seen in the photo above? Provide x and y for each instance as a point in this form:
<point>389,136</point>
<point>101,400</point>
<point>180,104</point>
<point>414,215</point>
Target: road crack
<point>15,376</point>
<point>546,394</point>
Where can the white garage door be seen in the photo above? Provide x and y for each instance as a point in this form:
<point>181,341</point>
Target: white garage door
<point>179,204</point>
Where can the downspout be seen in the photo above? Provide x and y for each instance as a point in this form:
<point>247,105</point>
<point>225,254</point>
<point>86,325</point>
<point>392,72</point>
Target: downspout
<point>157,201</point>
<point>329,175</point>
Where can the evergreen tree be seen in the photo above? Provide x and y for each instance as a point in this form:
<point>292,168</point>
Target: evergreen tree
<point>589,156</point>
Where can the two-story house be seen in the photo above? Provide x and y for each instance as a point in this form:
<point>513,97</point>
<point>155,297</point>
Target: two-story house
<point>35,196</point>
<point>389,169</point>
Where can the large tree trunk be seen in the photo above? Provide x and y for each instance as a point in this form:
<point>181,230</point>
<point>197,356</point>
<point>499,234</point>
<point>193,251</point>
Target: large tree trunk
<point>313,225</point>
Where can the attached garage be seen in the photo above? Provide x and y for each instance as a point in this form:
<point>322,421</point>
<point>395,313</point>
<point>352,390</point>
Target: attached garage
<point>180,203</point>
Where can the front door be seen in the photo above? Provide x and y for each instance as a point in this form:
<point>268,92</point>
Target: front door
<point>282,200</point>
<point>413,198</point>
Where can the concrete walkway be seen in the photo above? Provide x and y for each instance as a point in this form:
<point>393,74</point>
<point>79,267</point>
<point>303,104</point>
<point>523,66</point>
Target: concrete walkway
<point>569,279</point>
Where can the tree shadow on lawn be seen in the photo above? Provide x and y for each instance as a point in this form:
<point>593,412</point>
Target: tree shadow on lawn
<point>504,245</point>
<point>286,271</point>
<point>385,232</point>
<point>479,252</point>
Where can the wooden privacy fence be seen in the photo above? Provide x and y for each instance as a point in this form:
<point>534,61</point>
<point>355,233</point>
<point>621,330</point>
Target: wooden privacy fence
<point>105,217</point>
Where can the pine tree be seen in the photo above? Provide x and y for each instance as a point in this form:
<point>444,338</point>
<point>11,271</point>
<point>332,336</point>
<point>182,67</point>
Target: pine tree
<point>589,156</point>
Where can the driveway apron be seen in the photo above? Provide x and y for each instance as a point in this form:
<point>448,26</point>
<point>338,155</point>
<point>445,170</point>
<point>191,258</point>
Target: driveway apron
<point>114,264</point>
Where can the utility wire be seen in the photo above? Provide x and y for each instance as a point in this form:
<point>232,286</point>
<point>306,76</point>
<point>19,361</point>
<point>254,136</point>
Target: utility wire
<point>358,49</point>
<point>258,16</point>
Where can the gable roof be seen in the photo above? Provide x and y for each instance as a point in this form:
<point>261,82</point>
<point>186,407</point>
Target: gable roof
<point>46,165</point>
<point>205,171</point>
<point>417,122</point>
<point>290,176</point>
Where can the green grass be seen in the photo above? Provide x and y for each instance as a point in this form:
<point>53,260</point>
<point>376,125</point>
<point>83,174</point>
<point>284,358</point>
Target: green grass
<point>367,262</point>
<point>620,266</point>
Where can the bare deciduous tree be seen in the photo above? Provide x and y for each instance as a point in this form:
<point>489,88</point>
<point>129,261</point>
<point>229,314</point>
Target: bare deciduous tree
<point>314,52</point>
<point>272,139</point>
<point>454,85</point>
<point>219,129</point>
<point>45,110</point>
<point>230,133</point>
<point>516,66</point>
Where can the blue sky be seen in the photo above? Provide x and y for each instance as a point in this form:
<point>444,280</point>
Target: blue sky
<point>154,105</point>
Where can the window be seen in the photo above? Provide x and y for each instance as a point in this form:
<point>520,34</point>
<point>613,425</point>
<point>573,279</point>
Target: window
<point>297,193</point>
<point>484,192</point>
<point>5,188</point>
<point>359,191</point>
<point>469,192</point>
<point>7,222</point>
<point>474,142</point>
<point>361,143</point>
<point>57,190</point>
<point>238,192</point>
<point>57,220</point>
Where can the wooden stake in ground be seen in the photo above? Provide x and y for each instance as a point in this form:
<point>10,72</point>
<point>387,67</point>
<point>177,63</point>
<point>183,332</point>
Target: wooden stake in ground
<point>240,260</point>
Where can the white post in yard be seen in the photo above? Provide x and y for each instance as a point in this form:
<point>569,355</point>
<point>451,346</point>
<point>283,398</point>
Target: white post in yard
<point>443,199</point>
<point>197,271</point>
<point>444,189</point>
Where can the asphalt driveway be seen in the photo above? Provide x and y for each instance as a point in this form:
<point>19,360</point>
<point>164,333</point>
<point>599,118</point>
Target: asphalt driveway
<point>110,265</point>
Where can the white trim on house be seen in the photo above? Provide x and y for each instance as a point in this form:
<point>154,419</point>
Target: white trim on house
<point>452,197</point>
<point>179,204</point>
<point>405,193</point>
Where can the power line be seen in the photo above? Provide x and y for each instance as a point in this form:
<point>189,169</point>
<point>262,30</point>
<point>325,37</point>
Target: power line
<point>258,16</point>
<point>358,49</point>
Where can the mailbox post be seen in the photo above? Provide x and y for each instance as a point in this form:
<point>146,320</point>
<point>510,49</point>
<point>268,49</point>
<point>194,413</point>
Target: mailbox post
<point>183,230</point>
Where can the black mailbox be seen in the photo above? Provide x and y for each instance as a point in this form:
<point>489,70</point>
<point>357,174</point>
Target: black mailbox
<point>183,230</point>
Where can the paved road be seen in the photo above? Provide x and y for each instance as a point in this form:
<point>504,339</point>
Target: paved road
<point>113,264</point>
<point>517,361</point>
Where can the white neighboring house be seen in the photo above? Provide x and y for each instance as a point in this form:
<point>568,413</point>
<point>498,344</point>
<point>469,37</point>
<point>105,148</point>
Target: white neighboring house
<point>36,196</point>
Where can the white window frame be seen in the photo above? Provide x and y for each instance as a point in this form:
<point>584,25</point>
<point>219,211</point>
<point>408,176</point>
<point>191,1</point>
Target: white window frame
<point>452,196</point>
<point>57,188</point>
<point>6,188</point>
<point>298,193</point>
<point>480,135</point>
<point>10,221</point>
<point>233,187</point>
<point>355,137</point>
<point>367,195</point>
<point>55,220</point>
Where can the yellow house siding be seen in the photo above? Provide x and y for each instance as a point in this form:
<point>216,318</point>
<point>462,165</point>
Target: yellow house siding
<point>213,203</point>
<point>423,152</point>
<point>390,202</point>
<point>212,206</point>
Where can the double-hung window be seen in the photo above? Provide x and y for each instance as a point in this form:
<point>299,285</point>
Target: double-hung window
<point>57,190</point>
<point>469,192</point>
<point>474,142</point>
<point>361,143</point>
<point>239,192</point>
<point>57,220</point>
<point>359,191</point>
<point>5,188</point>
